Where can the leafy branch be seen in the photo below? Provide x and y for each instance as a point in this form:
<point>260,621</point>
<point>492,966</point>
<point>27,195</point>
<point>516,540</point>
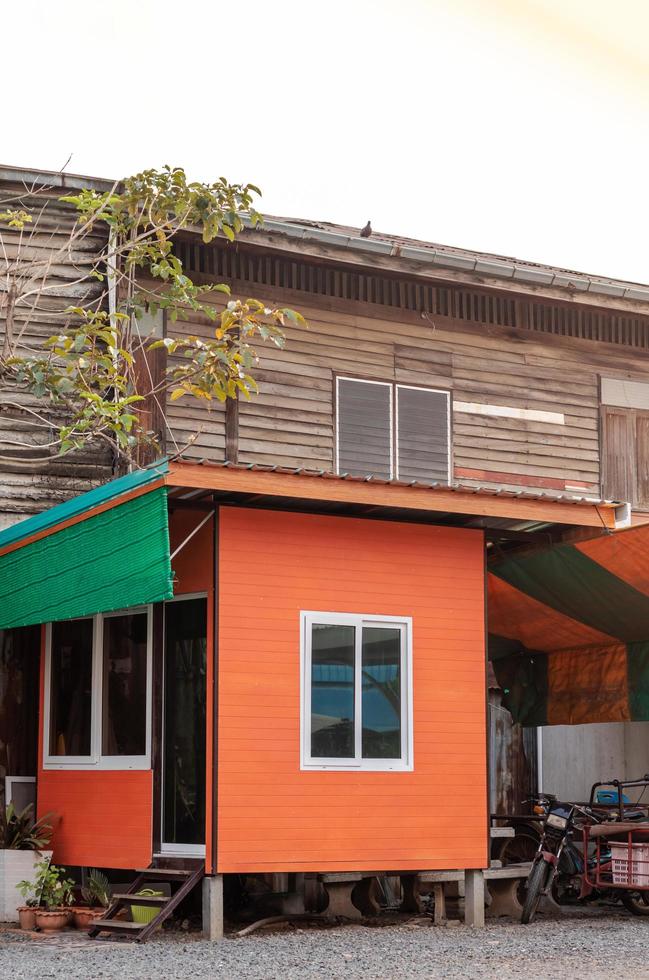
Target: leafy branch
<point>90,372</point>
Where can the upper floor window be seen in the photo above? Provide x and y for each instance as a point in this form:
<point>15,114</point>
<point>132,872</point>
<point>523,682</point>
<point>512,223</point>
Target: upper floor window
<point>625,441</point>
<point>98,691</point>
<point>392,430</point>
<point>356,693</point>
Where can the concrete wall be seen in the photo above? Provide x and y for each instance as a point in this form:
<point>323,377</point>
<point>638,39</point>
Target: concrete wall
<point>574,757</point>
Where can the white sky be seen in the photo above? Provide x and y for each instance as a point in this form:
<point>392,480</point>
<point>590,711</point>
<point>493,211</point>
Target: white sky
<point>512,126</point>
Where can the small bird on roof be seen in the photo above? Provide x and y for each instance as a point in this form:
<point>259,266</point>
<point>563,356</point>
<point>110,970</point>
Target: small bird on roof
<point>366,231</point>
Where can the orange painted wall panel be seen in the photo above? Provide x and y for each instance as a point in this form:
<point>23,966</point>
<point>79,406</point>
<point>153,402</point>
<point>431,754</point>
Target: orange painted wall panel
<point>193,564</point>
<point>104,817</point>
<point>273,816</point>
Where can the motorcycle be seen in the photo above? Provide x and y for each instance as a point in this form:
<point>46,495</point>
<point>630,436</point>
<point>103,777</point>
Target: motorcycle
<point>556,854</point>
<point>570,870</point>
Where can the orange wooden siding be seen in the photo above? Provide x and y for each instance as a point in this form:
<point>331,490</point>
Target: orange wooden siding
<point>104,817</point>
<point>271,815</point>
<point>193,565</point>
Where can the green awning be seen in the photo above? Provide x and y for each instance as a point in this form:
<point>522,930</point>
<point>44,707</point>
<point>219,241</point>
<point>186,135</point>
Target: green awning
<point>106,549</point>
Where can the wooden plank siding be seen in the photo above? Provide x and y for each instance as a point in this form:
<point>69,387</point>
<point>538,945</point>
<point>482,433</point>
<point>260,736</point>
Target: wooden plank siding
<point>291,421</point>
<point>28,486</point>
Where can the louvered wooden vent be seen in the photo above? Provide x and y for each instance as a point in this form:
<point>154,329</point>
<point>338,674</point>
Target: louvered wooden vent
<point>384,290</point>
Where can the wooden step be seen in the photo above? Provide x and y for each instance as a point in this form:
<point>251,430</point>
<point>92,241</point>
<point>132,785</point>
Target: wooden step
<point>165,904</point>
<point>116,925</point>
<point>134,899</point>
<point>164,873</point>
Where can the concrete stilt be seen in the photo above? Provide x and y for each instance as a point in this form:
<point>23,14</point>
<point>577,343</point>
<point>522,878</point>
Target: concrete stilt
<point>474,897</point>
<point>213,907</point>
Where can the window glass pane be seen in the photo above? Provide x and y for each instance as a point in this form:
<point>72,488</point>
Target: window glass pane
<point>381,693</point>
<point>20,652</point>
<point>332,691</point>
<point>185,698</point>
<point>71,687</point>
<point>124,686</point>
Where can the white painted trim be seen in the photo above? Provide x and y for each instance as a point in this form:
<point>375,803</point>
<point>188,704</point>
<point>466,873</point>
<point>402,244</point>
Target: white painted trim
<point>9,784</point>
<point>357,764</point>
<point>509,412</point>
<point>363,381</point>
<point>181,850</point>
<point>437,391</point>
<point>186,595</point>
<point>97,761</point>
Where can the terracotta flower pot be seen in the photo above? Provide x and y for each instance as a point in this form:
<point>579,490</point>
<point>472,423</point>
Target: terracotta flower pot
<point>83,916</point>
<point>51,920</point>
<point>26,916</point>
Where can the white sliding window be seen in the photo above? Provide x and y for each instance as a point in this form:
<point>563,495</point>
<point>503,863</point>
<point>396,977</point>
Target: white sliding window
<point>356,692</point>
<point>98,692</point>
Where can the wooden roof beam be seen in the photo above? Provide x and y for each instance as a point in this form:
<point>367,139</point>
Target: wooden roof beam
<point>423,499</point>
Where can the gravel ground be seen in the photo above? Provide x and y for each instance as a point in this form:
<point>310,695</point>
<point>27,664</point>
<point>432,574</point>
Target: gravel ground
<point>592,945</point>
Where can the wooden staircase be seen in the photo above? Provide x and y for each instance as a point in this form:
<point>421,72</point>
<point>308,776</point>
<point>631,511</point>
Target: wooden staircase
<point>180,881</point>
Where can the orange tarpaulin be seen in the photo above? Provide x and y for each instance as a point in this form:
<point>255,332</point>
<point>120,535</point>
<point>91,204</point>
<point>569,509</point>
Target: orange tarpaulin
<point>569,630</point>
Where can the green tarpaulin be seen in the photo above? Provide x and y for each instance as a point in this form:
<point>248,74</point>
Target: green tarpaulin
<point>569,630</point>
<point>109,560</point>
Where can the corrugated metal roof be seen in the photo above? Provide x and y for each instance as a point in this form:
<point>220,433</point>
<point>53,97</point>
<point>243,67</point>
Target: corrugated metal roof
<point>445,256</point>
<point>456,487</point>
<point>448,256</point>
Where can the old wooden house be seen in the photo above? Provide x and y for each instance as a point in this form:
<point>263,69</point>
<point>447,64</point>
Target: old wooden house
<point>269,656</point>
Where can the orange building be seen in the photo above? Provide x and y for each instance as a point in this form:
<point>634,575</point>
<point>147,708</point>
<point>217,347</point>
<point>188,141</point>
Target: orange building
<point>266,673</point>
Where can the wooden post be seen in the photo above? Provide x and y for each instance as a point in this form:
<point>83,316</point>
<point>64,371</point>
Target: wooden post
<point>213,907</point>
<point>474,897</point>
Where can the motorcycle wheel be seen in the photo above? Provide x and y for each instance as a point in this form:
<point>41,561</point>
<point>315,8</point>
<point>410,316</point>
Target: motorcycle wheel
<point>636,902</point>
<point>535,885</point>
<point>514,850</point>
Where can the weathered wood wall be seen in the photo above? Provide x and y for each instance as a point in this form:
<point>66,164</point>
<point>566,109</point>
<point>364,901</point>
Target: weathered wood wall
<point>30,480</point>
<point>291,421</point>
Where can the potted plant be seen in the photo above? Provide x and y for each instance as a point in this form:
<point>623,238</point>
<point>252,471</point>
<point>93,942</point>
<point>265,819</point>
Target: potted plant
<point>27,912</point>
<point>96,894</point>
<point>54,894</point>
<point>23,843</point>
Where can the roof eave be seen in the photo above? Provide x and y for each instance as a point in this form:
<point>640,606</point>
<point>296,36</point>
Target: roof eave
<point>278,482</point>
<point>435,264</point>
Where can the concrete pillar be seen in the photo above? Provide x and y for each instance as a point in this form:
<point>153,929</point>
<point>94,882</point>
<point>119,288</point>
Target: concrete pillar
<point>474,897</point>
<point>213,907</point>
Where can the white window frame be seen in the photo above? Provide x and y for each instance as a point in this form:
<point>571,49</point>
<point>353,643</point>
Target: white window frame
<point>96,760</point>
<point>364,381</point>
<point>9,785</point>
<point>358,764</point>
<point>439,391</point>
<point>394,387</point>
